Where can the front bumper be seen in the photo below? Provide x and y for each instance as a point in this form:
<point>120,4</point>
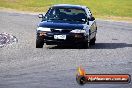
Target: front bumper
<point>71,39</point>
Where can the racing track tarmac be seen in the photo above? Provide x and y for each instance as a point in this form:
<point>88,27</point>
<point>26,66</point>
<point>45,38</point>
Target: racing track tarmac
<point>24,66</point>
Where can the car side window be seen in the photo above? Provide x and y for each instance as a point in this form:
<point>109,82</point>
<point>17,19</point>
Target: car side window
<point>89,12</point>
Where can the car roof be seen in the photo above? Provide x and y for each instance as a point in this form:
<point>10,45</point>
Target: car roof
<point>69,6</point>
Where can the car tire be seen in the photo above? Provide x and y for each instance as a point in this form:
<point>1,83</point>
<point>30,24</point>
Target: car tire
<point>92,41</point>
<point>39,43</point>
<point>86,45</point>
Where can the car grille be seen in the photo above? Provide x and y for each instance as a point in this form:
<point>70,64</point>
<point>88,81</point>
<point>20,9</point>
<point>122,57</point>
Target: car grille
<point>61,31</point>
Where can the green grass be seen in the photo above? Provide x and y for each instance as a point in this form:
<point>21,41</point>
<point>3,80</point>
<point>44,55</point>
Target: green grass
<point>100,8</point>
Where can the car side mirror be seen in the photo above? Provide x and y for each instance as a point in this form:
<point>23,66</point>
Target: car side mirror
<point>40,15</point>
<point>91,19</point>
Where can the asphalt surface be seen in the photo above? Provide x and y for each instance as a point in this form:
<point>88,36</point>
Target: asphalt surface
<point>24,66</point>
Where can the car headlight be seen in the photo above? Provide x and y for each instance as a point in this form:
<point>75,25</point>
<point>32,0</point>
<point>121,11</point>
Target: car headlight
<point>78,31</point>
<point>42,31</point>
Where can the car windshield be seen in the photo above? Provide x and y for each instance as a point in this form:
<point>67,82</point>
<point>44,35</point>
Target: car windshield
<point>66,14</point>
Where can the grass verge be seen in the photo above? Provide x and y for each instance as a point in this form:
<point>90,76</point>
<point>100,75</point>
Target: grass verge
<point>122,9</point>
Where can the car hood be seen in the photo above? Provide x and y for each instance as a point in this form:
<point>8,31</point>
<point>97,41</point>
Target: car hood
<point>61,25</point>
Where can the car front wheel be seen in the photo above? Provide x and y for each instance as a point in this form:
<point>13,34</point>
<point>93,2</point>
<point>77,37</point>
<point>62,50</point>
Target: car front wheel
<point>39,43</point>
<point>86,45</point>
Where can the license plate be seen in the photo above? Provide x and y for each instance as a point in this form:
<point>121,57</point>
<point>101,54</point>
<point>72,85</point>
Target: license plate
<point>59,36</point>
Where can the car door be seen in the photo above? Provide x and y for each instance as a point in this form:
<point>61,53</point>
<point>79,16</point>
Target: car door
<point>93,30</point>
<point>92,23</point>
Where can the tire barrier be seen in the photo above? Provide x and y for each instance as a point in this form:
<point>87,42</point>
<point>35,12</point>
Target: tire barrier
<point>6,39</point>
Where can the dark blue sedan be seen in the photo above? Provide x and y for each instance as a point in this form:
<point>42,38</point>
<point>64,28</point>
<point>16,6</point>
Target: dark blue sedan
<point>66,24</point>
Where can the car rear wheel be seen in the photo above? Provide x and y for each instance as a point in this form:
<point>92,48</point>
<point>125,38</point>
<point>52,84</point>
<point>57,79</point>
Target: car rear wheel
<point>92,41</point>
<point>39,43</point>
